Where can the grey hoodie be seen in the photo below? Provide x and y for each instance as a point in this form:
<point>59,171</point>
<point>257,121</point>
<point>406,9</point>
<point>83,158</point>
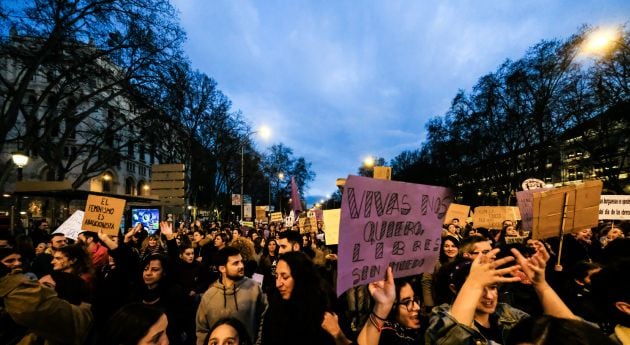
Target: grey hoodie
<point>244,301</point>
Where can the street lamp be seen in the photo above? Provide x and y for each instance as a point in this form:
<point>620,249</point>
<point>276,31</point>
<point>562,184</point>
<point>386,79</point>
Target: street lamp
<point>265,133</point>
<point>20,159</point>
<point>280,178</point>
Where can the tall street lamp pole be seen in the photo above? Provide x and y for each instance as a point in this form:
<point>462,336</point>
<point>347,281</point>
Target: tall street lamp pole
<point>20,159</point>
<point>265,133</point>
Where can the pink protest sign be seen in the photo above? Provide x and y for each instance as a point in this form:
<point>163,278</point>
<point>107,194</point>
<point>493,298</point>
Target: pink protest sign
<point>388,223</point>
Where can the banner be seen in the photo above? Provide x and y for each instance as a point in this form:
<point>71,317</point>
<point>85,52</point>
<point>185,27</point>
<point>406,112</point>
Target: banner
<point>261,213</point>
<point>103,213</point>
<point>582,209</point>
<point>331,226</point>
<point>614,207</point>
<point>457,211</point>
<point>492,217</point>
<point>388,223</point>
<point>72,226</point>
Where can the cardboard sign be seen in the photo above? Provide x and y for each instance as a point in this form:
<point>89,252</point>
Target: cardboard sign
<point>331,226</point>
<point>492,217</point>
<point>387,223</point>
<point>383,173</point>
<point>307,224</point>
<point>525,201</point>
<point>103,213</point>
<point>614,207</point>
<point>456,211</point>
<point>582,209</point>
<point>261,213</point>
<point>276,217</point>
<point>71,228</point>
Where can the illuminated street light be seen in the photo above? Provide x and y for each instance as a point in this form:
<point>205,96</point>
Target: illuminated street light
<point>265,133</point>
<point>20,159</point>
<point>369,161</point>
<point>601,41</point>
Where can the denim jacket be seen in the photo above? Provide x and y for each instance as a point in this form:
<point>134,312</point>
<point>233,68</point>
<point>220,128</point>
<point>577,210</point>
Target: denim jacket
<point>445,330</point>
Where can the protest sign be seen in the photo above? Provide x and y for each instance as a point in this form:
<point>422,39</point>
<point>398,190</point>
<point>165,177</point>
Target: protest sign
<point>276,217</point>
<point>331,226</point>
<point>382,173</point>
<point>456,211</point>
<point>614,207</point>
<point>525,200</point>
<point>579,204</point>
<point>261,213</point>
<point>388,223</point>
<point>103,213</point>
<point>72,226</point>
<point>492,217</point>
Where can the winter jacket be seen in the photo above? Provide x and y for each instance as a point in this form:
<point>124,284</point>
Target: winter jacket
<point>244,301</point>
<point>48,318</point>
<point>445,330</point>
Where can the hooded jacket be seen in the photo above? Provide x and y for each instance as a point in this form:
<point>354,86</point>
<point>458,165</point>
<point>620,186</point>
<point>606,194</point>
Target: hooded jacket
<point>244,301</point>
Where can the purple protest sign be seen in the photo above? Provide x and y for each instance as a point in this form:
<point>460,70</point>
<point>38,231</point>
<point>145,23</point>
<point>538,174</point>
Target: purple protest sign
<point>388,223</point>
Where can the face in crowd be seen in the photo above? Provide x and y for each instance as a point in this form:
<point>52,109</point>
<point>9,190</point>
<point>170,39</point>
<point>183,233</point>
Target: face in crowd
<point>271,246</point>
<point>284,280</point>
<point>450,249</point>
<point>479,248</point>
<point>224,335</point>
<point>157,333</point>
<point>614,233</point>
<point>234,269</point>
<point>40,249</point>
<point>218,242</point>
<point>510,231</point>
<point>13,262</point>
<point>488,302</point>
<point>59,241</point>
<point>584,235</point>
<point>153,273</point>
<point>407,312</point>
<point>61,262</point>
<point>286,246</point>
<point>188,256</point>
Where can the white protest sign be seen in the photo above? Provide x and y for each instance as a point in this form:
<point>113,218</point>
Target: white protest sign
<point>72,226</point>
<point>614,207</point>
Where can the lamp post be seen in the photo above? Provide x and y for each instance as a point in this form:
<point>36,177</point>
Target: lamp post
<point>20,159</point>
<point>280,178</point>
<point>265,133</point>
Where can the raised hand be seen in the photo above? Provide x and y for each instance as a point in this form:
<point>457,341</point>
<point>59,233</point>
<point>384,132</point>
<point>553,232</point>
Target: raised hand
<point>484,272</point>
<point>166,228</point>
<point>384,291</point>
<point>534,267</point>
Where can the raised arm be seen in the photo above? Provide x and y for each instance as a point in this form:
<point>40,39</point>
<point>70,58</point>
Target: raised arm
<point>534,268</point>
<point>483,272</point>
<point>384,294</point>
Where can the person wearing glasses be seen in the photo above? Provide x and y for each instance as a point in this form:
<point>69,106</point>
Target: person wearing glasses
<point>403,325</point>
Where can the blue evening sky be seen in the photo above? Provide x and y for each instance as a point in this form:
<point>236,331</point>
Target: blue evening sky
<point>340,80</point>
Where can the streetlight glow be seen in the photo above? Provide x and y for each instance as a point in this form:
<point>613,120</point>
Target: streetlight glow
<point>369,161</point>
<point>19,158</point>
<point>281,176</point>
<point>265,132</point>
<point>601,40</point>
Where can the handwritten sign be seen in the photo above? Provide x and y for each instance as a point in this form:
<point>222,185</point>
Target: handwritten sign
<point>614,207</point>
<point>525,201</point>
<point>456,211</point>
<point>103,213</point>
<point>582,209</point>
<point>492,217</point>
<point>276,217</point>
<point>388,223</point>
<point>71,228</point>
<point>331,226</point>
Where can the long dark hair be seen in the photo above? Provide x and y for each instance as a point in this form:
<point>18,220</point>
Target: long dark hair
<point>266,248</point>
<point>130,324</point>
<point>82,263</point>
<point>311,294</point>
<point>443,258</point>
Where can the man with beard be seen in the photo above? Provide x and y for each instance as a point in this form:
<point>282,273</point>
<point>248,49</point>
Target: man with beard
<point>232,295</point>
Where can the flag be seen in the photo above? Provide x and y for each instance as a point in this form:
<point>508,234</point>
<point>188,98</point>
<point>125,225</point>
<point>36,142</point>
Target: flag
<point>296,202</point>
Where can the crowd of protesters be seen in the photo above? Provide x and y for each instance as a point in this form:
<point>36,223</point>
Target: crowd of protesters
<point>213,283</point>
